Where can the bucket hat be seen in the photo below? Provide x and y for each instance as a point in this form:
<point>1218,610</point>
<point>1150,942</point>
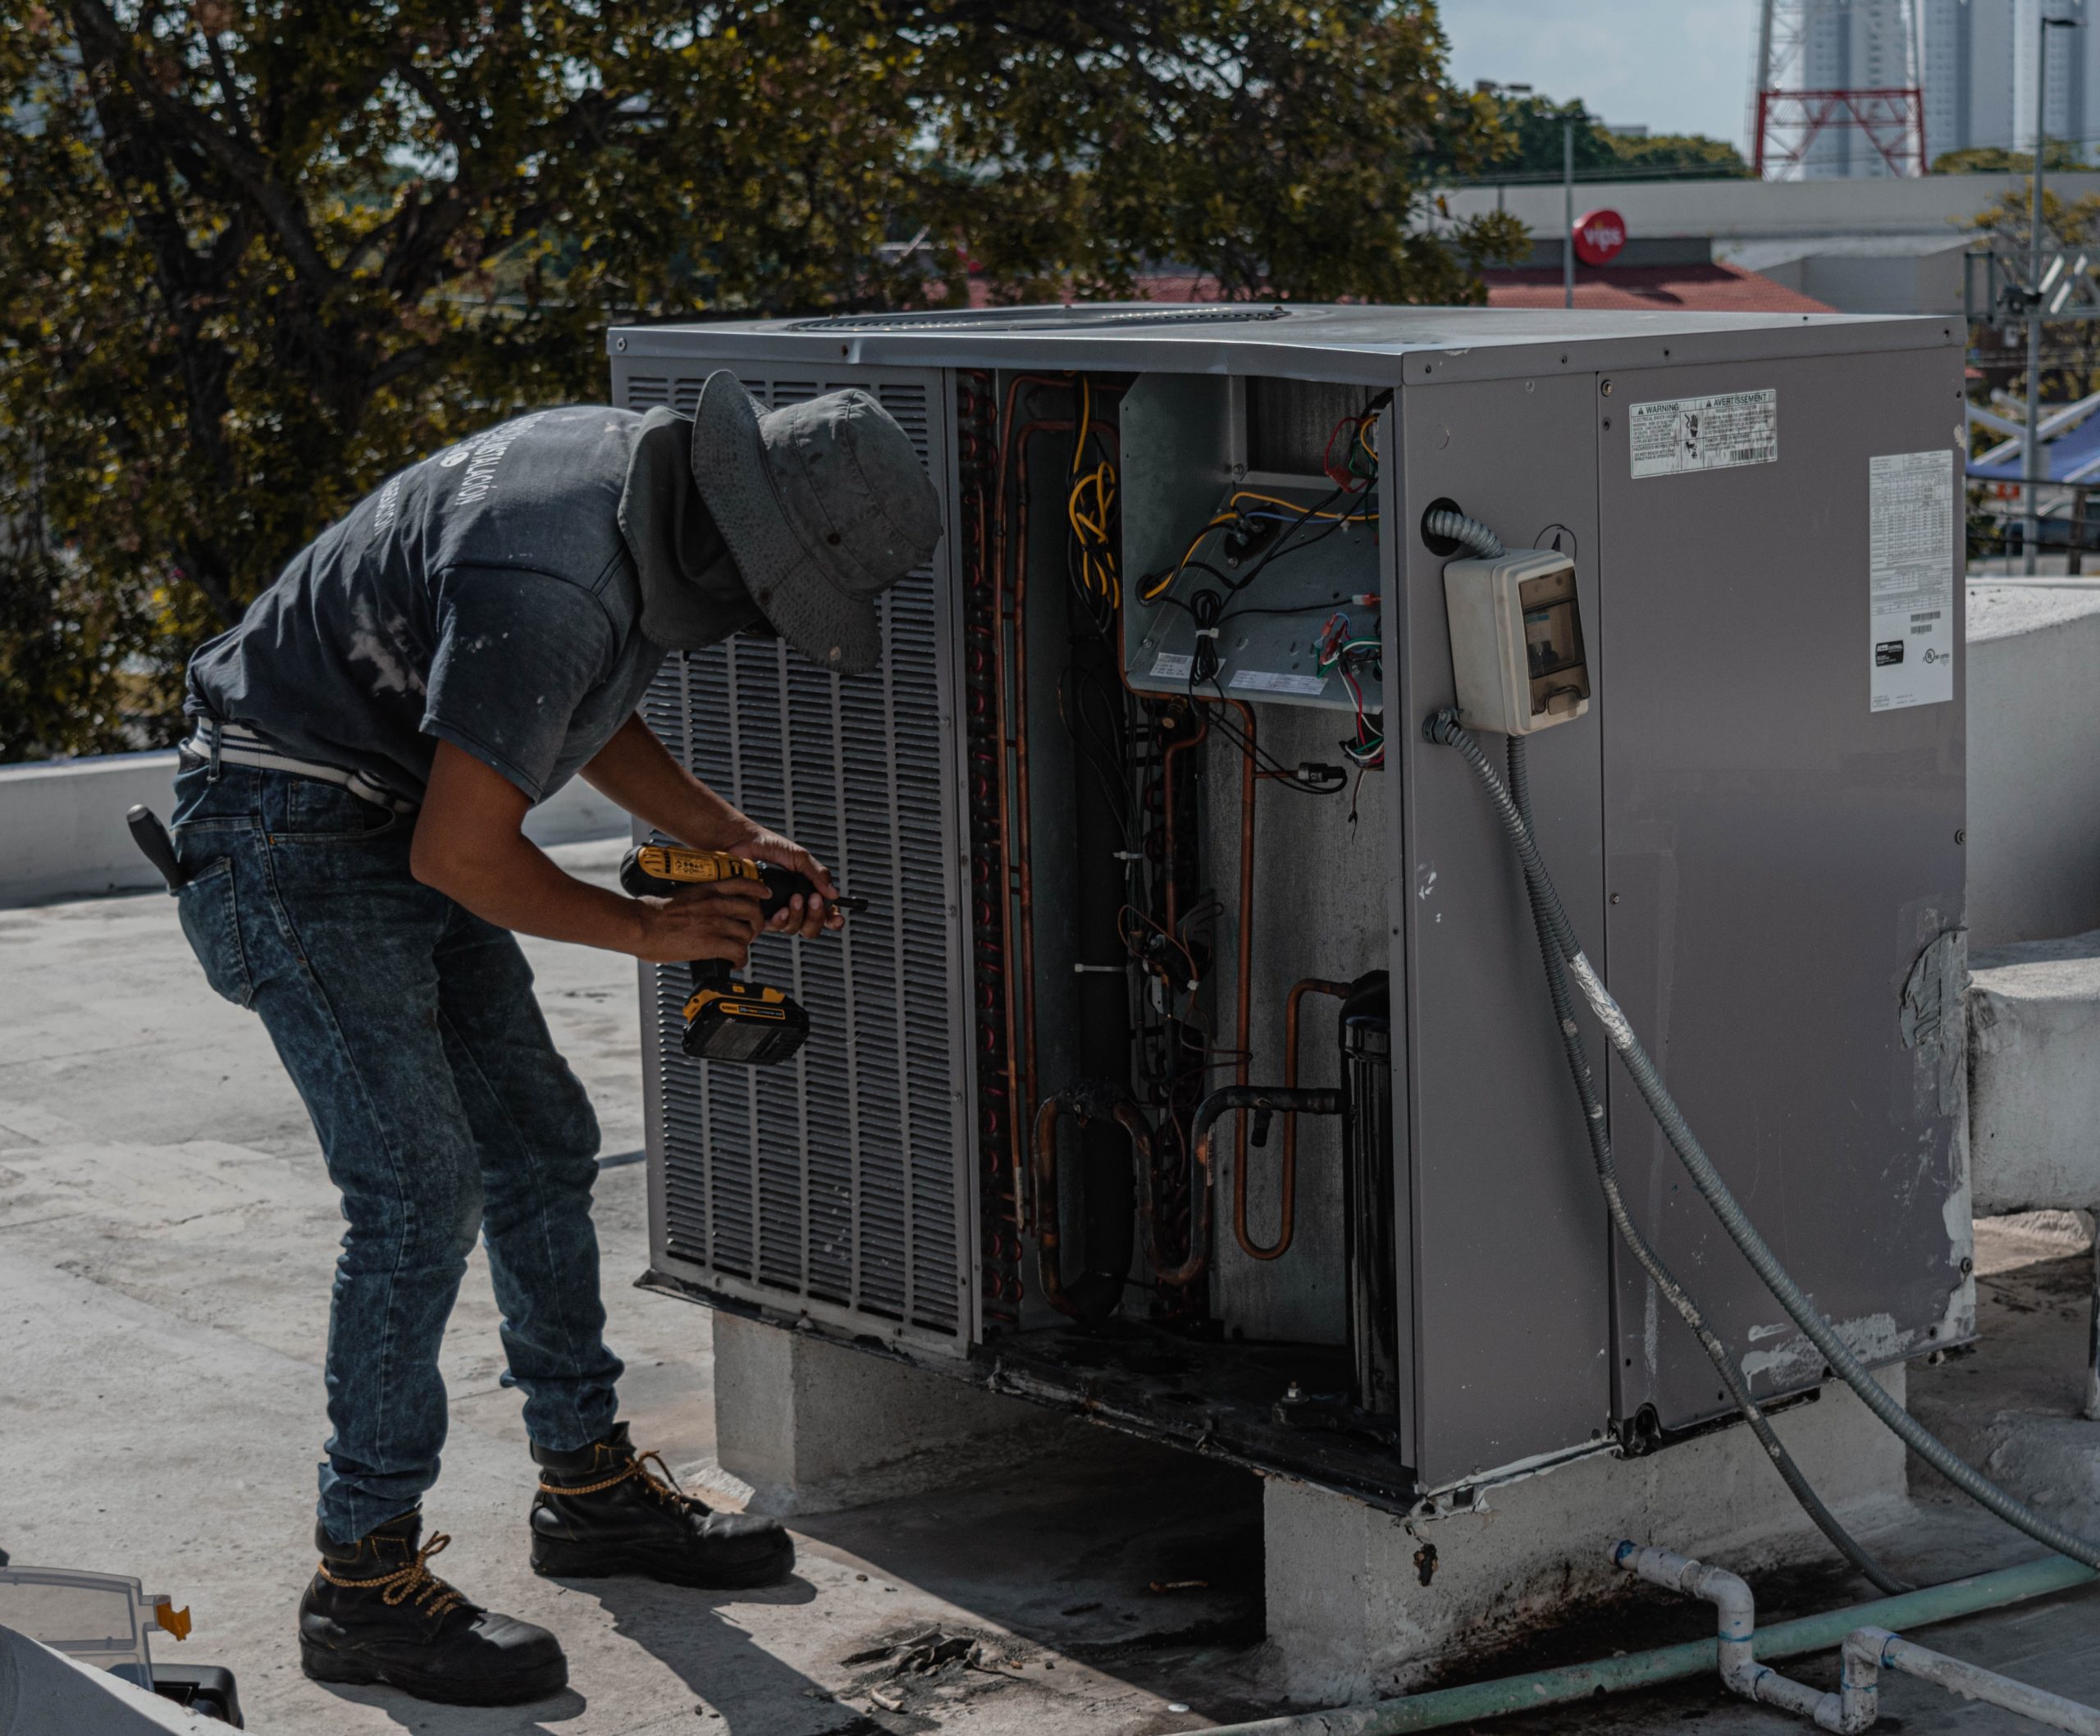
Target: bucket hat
<point>823,505</point>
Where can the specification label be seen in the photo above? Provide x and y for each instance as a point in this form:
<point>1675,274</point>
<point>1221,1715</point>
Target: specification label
<point>1263,681</point>
<point>1172,666</point>
<point>1679,435</point>
<point>1910,599</point>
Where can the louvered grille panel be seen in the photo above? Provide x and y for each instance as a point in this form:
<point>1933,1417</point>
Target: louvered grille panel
<point>837,1181</point>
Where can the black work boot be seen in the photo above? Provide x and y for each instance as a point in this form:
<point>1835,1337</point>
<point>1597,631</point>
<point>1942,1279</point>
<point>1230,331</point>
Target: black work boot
<point>375,1612</point>
<point>605,1508</point>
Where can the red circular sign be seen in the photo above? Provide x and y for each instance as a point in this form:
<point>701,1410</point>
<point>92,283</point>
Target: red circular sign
<point>1599,236</point>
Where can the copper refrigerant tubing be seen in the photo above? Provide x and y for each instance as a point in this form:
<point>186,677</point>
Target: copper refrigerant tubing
<point>1287,1176</point>
<point>1092,1100</point>
<point>1017,1104</point>
<point>1240,1097</point>
<point>1024,862</point>
<point>1244,1030</point>
<point>1181,744</point>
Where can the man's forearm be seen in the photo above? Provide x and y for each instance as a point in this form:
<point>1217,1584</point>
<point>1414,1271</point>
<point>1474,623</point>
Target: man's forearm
<point>511,882</point>
<point>636,770</point>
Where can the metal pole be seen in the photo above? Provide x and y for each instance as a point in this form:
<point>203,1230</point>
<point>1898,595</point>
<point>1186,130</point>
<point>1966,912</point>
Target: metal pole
<point>2031,530</point>
<point>1567,213</point>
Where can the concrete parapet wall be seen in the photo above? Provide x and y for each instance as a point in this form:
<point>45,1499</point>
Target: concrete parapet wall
<point>2034,777</point>
<point>2035,1076</point>
<point>62,833</point>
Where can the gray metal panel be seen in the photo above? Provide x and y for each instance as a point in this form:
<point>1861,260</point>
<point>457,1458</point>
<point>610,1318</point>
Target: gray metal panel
<point>1778,856</point>
<point>1309,343</point>
<point>839,1185</point>
<point>1511,1278</point>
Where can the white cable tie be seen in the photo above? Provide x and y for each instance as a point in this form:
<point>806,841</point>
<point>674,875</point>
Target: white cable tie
<point>1207,633</point>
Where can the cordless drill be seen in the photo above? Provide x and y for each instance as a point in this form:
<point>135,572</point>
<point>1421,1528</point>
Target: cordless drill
<point>727,1019</point>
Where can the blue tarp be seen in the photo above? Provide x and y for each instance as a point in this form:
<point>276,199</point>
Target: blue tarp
<point>2071,451</point>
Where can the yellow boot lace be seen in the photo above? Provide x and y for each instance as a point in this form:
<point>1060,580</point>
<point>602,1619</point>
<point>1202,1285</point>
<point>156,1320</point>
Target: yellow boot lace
<point>647,1468</point>
<point>414,1583</point>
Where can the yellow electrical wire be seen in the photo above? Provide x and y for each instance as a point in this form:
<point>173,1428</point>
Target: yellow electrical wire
<point>1097,574</point>
<point>1292,506</point>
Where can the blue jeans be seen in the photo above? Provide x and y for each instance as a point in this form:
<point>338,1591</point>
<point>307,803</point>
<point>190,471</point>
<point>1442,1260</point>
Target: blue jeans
<point>410,1028</point>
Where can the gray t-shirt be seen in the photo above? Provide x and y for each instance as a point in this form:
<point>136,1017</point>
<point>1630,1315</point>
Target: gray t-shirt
<point>485,597</point>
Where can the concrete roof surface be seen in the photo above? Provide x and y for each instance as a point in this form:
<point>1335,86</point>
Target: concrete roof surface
<point>166,1239</point>
<point>2000,611</point>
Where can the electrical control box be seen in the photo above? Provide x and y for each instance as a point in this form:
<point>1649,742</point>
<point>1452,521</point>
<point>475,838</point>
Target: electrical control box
<point>1192,1066</point>
<point>1517,658</point>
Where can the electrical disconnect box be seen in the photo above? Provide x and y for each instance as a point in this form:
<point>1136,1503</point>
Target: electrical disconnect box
<point>1192,1064</point>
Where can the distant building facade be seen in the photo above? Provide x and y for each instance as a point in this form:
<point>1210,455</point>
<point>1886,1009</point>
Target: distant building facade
<point>1979,76</point>
<point>1857,45</point>
<point>1974,60</point>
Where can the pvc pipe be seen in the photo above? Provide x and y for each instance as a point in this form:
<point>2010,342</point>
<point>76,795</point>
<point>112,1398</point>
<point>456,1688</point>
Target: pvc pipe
<point>1740,1673</point>
<point>1523,1693</point>
<point>1870,1650</point>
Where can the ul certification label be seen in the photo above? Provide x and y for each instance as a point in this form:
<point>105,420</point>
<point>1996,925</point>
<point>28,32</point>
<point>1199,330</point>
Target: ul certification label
<point>1910,581</point>
<point>1679,435</point>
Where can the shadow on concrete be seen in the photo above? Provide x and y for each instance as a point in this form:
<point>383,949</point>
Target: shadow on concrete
<point>463,1721</point>
<point>738,1686</point>
<point>1142,1562</point>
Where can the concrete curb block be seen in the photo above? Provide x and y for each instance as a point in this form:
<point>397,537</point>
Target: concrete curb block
<point>62,833</point>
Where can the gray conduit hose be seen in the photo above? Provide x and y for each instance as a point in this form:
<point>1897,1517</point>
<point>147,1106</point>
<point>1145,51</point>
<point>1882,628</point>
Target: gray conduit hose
<point>1651,1262</point>
<point>1443,729</point>
<point>1484,542</point>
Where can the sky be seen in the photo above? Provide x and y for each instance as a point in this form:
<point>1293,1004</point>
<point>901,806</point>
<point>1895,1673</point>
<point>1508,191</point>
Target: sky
<point>1671,65</point>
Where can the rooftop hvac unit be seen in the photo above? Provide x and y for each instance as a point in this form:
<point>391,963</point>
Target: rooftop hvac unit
<point>1141,802</point>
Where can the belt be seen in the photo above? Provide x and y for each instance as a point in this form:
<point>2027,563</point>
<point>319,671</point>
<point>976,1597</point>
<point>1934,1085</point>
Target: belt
<point>230,744</point>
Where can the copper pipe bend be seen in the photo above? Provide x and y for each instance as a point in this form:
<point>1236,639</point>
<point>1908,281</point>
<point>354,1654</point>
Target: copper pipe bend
<point>1287,1177</point>
<point>1089,1100</point>
<point>1202,1128</point>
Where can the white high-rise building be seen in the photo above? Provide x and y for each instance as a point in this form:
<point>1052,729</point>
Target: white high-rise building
<point>1975,97</point>
<point>1978,66</point>
<point>1975,59</point>
<point>1854,45</point>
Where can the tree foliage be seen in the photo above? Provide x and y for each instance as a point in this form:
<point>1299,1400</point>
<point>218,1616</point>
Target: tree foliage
<point>2058,157</point>
<point>1537,129</point>
<point>260,253</point>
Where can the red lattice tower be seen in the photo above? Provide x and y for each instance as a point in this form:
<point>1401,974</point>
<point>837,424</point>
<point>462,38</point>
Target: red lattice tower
<point>1789,113</point>
<point>1892,121</point>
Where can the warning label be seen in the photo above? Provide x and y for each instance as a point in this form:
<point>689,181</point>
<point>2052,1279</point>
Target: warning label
<point>1910,579</point>
<point>1262,681</point>
<point>1678,435</point>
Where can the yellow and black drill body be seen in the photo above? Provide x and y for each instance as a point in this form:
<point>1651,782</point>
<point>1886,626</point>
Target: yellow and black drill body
<point>727,1019</point>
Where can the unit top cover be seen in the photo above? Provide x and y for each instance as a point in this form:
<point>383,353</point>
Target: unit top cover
<point>1290,339</point>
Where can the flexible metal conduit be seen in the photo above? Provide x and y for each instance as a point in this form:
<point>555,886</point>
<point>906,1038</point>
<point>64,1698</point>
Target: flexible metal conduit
<point>1444,727</point>
<point>1458,528</point>
<point>1651,1262</point>
<point>1579,1682</point>
<point>1482,540</point>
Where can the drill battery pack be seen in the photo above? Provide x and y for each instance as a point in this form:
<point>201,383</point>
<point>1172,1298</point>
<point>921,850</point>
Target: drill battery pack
<point>727,1019</point>
<point>747,1022</point>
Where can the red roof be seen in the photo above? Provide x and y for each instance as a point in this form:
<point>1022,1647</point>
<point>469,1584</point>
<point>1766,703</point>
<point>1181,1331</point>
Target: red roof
<point>1705,289</point>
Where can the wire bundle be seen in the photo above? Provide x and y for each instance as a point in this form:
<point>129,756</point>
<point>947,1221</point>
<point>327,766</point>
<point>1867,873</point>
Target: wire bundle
<point>1358,468</point>
<point>1090,504</point>
<point>1342,654</point>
